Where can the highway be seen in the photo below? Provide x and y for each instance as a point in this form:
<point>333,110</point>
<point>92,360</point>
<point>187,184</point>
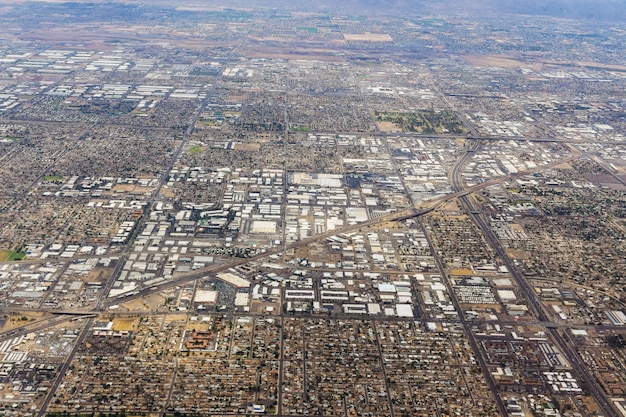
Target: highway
<point>68,361</point>
<point>405,214</point>
<point>528,292</point>
<point>65,315</point>
<point>460,191</point>
<point>467,328</point>
<point>215,269</point>
<point>33,327</point>
<point>456,171</point>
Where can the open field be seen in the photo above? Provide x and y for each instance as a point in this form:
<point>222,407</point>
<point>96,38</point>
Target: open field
<point>423,121</point>
<point>125,324</point>
<point>492,61</point>
<point>387,127</point>
<point>11,255</point>
<point>368,37</point>
<point>4,254</point>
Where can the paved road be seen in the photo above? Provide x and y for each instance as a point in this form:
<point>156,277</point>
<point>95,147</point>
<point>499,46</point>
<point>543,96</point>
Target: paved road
<point>456,171</point>
<point>68,361</point>
<point>461,192</point>
<point>528,292</point>
<point>456,181</point>
<point>34,327</point>
<point>155,195</point>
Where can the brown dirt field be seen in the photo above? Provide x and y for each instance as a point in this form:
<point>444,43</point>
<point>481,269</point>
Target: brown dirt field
<point>198,325</point>
<point>248,147</point>
<point>332,258</point>
<point>492,61</point>
<point>603,66</point>
<point>590,404</point>
<point>265,138</point>
<point>387,127</point>
<point>460,142</point>
<point>123,187</point>
<point>13,321</point>
<point>154,301</point>
<point>175,317</point>
<point>167,192</point>
<point>368,37</point>
<point>95,275</point>
<point>461,271</point>
<point>564,166</point>
<point>121,324</point>
<point>261,308</point>
<point>516,253</point>
<point>129,188</point>
<point>257,307</point>
<point>135,305</point>
<point>496,307</point>
<point>385,225</point>
<point>449,206</point>
<point>4,254</point>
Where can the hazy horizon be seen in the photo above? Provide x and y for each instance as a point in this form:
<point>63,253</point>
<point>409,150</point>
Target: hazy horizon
<point>609,10</point>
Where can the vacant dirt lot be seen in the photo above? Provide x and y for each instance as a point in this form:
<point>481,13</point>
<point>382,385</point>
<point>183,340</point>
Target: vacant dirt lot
<point>368,37</point>
<point>492,61</point>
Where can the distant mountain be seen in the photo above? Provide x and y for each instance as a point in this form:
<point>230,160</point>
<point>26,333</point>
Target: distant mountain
<point>573,9</point>
<point>603,10</point>
<point>569,9</point>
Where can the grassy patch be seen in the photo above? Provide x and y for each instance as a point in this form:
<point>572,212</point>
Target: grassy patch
<point>16,255</point>
<point>430,22</point>
<point>424,121</point>
<point>11,255</point>
<point>196,149</point>
<point>308,29</point>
